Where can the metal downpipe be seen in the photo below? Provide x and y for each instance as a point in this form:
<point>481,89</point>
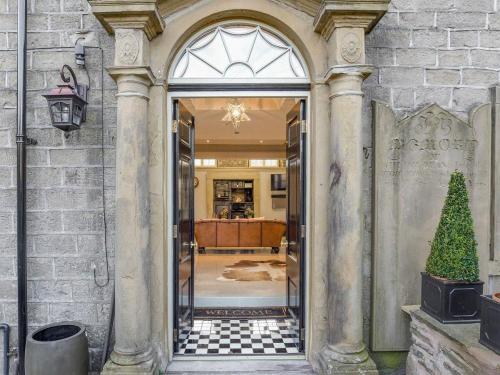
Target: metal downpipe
<point>21,181</point>
<point>6,365</point>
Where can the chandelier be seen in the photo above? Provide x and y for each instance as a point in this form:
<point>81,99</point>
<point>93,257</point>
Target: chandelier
<point>235,114</point>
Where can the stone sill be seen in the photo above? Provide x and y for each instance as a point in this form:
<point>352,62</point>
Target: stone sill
<point>466,336</point>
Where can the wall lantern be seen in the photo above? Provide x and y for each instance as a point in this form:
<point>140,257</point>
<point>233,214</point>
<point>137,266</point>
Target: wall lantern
<point>67,103</point>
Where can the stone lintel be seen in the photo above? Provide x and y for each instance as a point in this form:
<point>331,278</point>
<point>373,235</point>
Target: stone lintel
<point>348,14</point>
<point>126,14</point>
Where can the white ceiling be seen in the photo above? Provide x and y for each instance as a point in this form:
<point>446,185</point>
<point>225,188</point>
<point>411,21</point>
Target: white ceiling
<point>266,126</point>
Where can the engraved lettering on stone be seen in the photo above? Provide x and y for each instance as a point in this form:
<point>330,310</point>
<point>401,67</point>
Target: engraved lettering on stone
<point>414,158</point>
<point>128,47</point>
<point>351,48</point>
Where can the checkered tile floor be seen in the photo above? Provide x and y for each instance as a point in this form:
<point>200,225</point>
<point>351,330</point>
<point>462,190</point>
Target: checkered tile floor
<point>243,337</point>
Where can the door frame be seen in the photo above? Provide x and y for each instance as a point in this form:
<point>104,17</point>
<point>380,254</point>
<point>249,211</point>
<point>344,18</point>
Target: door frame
<point>217,93</point>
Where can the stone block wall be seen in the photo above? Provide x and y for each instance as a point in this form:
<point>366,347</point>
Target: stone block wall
<point>428,51</point>
<point>447,349</point>
<point>65,221</point>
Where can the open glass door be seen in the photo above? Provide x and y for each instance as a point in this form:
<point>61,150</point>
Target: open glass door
<point>296,184</point>
<point>183,128</point>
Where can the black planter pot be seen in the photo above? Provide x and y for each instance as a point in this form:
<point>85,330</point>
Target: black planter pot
<point>490,324</point>
<point>451,301</point>
<point>59,348</point>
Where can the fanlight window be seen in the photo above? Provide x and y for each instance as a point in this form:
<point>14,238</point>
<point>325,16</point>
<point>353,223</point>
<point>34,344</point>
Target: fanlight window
<point>239,52</point>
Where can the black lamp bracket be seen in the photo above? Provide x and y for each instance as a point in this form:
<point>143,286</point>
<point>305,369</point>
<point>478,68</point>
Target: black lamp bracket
<point>80,89</point>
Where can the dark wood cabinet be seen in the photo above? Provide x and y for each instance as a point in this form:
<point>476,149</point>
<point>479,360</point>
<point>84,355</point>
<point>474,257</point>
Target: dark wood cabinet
<point>233,199</point>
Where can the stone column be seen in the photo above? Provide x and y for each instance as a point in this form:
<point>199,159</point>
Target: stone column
<point>134,24</point>
<point>132,351</point>
<point>345,339</point>
<point>343,24</point>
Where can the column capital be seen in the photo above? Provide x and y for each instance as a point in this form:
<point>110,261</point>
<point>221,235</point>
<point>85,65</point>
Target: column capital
<point>143,72</point>
<point>334,14</point>
<point>132,81</point>
<point>346,80</point>
<point>361,70</point>
<point>129,14</point>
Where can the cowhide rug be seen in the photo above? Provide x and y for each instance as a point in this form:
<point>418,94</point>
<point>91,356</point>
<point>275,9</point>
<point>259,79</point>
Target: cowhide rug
<point>254,270</point>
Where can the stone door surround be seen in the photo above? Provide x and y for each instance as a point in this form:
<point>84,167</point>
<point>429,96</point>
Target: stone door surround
<point>335,44</point>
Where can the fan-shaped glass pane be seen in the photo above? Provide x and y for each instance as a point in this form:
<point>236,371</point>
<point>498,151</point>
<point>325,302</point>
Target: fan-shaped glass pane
<point>198,68</point>
<point>272,39</point>
<point>239,70</point>
<point>263,53</point>
<point>239,29</point>
<point>296,65</point>
<point>203,40</point>
<point>239,52</point>
<point>279,68</point>
<point>213,53</point>
<point>180,69</point>
<point>239,46</point>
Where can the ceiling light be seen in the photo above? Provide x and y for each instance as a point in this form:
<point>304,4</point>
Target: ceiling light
<point>235,114</point>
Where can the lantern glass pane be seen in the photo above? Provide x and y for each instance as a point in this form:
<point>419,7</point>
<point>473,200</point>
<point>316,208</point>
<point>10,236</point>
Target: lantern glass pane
<point>60,112</point>
<point>77,114</point>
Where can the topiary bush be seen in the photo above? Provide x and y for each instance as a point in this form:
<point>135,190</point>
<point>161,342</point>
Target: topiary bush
<point>454,249</point>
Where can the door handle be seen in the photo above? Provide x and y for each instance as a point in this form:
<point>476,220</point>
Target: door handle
<point>287,244</point>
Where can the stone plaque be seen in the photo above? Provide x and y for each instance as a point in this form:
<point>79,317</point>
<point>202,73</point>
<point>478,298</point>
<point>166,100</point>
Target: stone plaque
<point>413,161</point>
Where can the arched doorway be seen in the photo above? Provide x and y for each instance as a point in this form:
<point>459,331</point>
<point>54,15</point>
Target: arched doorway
<point>239,63</point>
<point>148,36</point>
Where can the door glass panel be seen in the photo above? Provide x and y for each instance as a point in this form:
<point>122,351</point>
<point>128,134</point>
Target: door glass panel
<point>295,221</point>
<point>184,220</point>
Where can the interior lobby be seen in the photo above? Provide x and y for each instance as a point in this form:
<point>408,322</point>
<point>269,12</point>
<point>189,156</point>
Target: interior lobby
<point>240,202</point>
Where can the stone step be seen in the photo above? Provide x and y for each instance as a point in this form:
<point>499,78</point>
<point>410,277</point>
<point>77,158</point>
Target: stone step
<point>240,367</point>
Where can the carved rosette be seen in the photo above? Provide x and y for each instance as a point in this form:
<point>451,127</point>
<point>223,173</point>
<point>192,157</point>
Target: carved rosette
<point>127,47</point>
<point>351,48</point>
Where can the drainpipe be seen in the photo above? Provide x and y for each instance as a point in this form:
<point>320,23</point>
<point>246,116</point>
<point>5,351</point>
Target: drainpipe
<point>5,327</point>
<point>21,181</point>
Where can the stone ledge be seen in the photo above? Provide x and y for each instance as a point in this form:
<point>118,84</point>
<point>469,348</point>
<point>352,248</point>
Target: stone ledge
<point>348,13</point>
<point>137,14</point>
<point>447,348</point>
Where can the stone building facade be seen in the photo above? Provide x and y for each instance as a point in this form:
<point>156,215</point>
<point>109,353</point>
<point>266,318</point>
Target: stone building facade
<point>445,52</point>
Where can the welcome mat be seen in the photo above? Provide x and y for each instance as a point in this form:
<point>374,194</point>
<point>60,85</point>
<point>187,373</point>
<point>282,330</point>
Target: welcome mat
<point>240,313</point>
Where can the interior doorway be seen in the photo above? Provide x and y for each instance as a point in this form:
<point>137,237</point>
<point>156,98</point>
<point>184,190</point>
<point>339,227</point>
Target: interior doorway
<point>239,172</point>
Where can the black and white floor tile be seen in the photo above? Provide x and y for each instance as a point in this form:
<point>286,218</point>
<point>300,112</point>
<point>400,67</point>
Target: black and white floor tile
<point>240,337</point>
